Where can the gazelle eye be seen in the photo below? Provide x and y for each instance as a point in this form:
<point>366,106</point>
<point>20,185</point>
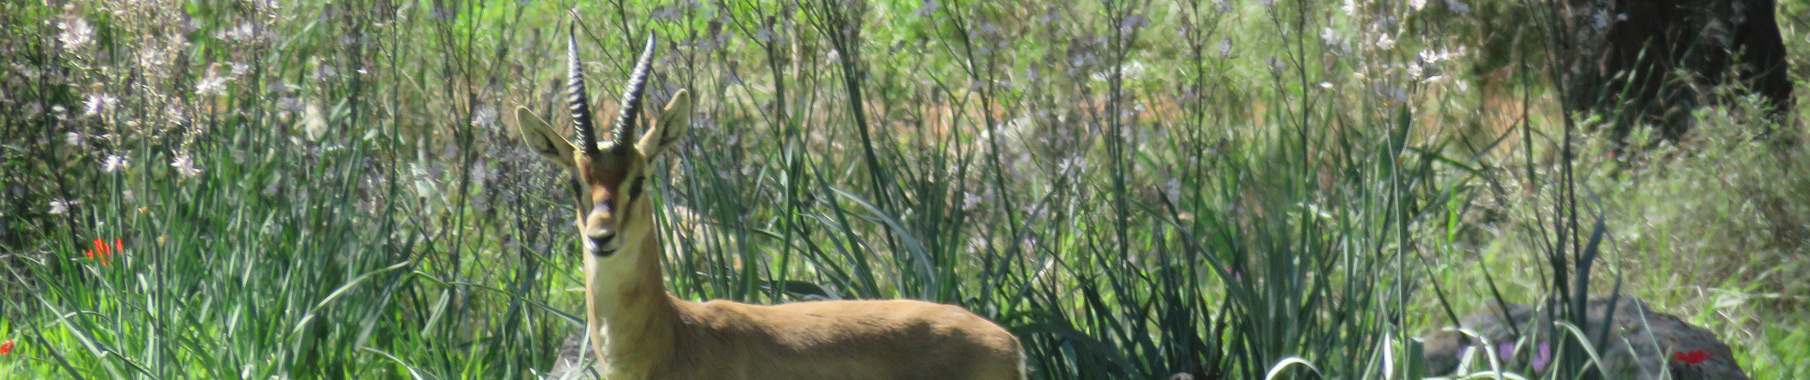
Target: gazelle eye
<point>634,188</point>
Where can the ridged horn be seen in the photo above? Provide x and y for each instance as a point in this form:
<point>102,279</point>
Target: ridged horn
<point>631,97</point>
<point>575,95</point>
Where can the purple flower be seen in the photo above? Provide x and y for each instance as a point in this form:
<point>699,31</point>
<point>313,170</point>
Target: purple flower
<point>1544,357</point>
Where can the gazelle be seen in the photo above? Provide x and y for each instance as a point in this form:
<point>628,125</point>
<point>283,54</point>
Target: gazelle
<point>639,331</point>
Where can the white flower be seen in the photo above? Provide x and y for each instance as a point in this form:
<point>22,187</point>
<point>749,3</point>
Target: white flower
<point>74,139</point>
<point>59,206</point>
<point>483,117</point>
<point>1430,57</point>
<point>115,163</point>
<point>1325,85</point>
<point>1602,19</point>
<point>239,69</point>
<point>174,114</point>
<point>1330,36</point>
<point>185,166</point>
<point>1417,4</point>
<point>1385,42</point>
<point>76,33</point>
<point>213,84</point>
<point>1071,166</point>
<point>243,32</point>
<point>98,103</point>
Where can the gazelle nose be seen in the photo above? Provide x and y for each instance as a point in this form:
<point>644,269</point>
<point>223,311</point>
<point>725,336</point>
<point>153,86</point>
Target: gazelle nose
<point>601,241</point>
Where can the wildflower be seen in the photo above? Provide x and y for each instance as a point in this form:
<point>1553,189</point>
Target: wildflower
<point>1331,36</point>
<point>115,163</point>
<point>98,103</point>
<point>485,116</point>
<point>213,84</point>
<point>152,57</point>
<point>6,348</point>
<point>1692,357</point>
<point>102,251</point>
<point>76,33</point>
<point>185,166</point>
<point>243,32</point>
<point>1542,357</point>
<point>174,114</point>
<point>60,206</point>
<point>239,69</point>
<point>1602,19</point>
<point>1070,166</point>
<point>1385,42</point>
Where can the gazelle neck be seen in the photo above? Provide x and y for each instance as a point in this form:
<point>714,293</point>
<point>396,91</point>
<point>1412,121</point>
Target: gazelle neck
<point>631,319</point>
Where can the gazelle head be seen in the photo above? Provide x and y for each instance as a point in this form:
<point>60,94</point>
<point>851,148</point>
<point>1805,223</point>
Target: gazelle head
<point>614,213</point>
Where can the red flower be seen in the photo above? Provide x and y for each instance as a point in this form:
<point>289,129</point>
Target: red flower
<point>6,348</point>
<point>1693,357</point>
<point>102,251</point>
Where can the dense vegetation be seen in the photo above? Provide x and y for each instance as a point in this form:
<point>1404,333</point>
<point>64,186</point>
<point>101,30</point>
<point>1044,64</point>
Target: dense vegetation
<point>1234,189</point>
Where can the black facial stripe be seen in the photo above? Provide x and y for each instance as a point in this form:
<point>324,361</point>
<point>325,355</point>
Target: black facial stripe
<point>634,189</point>
<point>632,198</point>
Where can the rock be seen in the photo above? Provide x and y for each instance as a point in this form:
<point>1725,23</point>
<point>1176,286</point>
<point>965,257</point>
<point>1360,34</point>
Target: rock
<point>1641,344</point>
<point>574,359</point>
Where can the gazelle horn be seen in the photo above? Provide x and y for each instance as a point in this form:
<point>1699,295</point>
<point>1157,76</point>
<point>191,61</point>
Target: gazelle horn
<point>631,98</point>
<point>575,95</point>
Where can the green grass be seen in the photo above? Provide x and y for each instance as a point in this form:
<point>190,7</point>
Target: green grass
<point>1134,189</point>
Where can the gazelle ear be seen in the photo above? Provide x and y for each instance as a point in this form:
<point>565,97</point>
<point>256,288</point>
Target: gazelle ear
<point>674,122</point>
<point>540,137</point>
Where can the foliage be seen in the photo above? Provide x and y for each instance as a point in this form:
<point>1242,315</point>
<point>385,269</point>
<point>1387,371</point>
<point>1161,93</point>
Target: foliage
<point>1229,189</point>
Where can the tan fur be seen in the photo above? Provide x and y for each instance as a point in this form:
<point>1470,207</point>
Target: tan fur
<point>642,332</point>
